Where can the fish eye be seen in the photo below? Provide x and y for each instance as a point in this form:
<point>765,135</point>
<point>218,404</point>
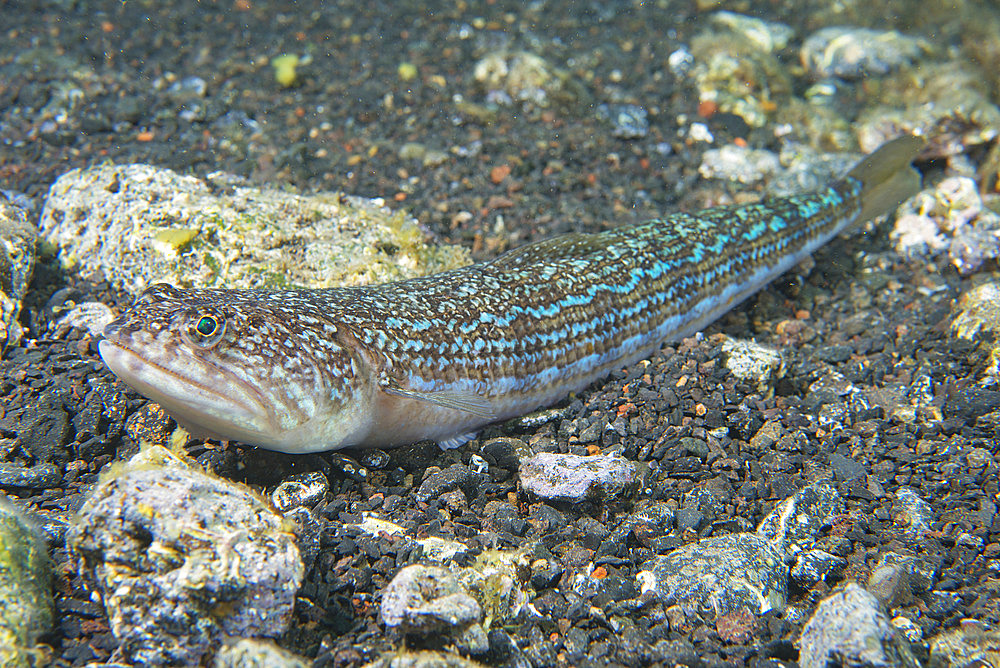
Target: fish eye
<point>205,329</point>
<point>206,325</point>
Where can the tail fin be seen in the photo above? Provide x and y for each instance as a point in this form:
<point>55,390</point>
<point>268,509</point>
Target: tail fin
<point>887,177</point>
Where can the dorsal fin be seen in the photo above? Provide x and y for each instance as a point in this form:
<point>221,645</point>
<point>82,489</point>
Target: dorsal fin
<point>575,244</point>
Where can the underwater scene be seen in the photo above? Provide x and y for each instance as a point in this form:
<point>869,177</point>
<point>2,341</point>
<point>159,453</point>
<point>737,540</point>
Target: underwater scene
<point>487,333</point>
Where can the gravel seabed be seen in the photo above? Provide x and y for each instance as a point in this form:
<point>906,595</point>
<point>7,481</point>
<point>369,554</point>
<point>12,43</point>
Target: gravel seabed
<point>875,393</point>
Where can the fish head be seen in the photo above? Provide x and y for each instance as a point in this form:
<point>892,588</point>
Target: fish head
<point>263,368</point>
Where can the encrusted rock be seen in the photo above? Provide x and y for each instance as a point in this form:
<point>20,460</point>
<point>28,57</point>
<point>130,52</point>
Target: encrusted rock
<point>496,578</point>
<point>953,107</point>
<point>520,76</point>
<point>300,489</point>
<point>795,523</point>
<point>254,653</point>
<point>848,628</point>
<point>812,566</point>
<point>91,316</point>
<point>738,73</point>
<point>138,224</point>
<point>978,319</point>
<point>971,644</point>
<point>890,583</point>
<point>754,363</point>
<point>182,558</point>
<point>918,573</point>
<point>911,513</point>
<point>427,600</point>
<point>25,588</point>
<point>422,659</point>
<point>739,163</point>
<point>17,259</point>
<point>719,575</point>
<point>769,36</point>
<point>953,217</point>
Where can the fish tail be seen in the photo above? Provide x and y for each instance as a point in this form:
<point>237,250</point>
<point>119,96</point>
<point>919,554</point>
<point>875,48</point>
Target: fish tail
<point>887,177</point>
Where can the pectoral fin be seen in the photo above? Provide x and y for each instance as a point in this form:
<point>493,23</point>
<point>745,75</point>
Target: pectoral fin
<point>457,441</point>
<point>467,402</point>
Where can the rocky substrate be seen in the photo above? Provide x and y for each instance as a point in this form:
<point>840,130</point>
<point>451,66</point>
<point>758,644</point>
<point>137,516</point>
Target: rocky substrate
<point>814,479</point>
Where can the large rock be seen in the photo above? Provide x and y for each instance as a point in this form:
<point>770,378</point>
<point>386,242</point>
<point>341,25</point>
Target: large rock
<point>183,559</point>
<point>137,224</point>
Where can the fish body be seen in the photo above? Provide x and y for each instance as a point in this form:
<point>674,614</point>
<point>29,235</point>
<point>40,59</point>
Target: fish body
<point>440,356</point>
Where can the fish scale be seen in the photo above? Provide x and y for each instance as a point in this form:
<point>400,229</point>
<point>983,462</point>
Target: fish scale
<point>437,357</point>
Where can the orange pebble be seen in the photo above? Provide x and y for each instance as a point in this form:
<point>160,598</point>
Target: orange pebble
<point>599,573</point>
<point>145,135</point>
<point>625,408</point>
<point>707,108</point>
<point>499,173</point>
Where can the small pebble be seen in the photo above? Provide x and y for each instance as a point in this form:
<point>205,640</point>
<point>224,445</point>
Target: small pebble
<point>572,478</point>
<point>300,489</point>
<point>852,53</point>
<point>739,163</point>
<point>911,513</point>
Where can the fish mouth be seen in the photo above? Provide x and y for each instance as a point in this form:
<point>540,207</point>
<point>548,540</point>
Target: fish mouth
<point>225,408</point>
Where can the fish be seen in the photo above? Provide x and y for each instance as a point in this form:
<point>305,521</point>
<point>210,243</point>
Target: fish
<point>440,356</point>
